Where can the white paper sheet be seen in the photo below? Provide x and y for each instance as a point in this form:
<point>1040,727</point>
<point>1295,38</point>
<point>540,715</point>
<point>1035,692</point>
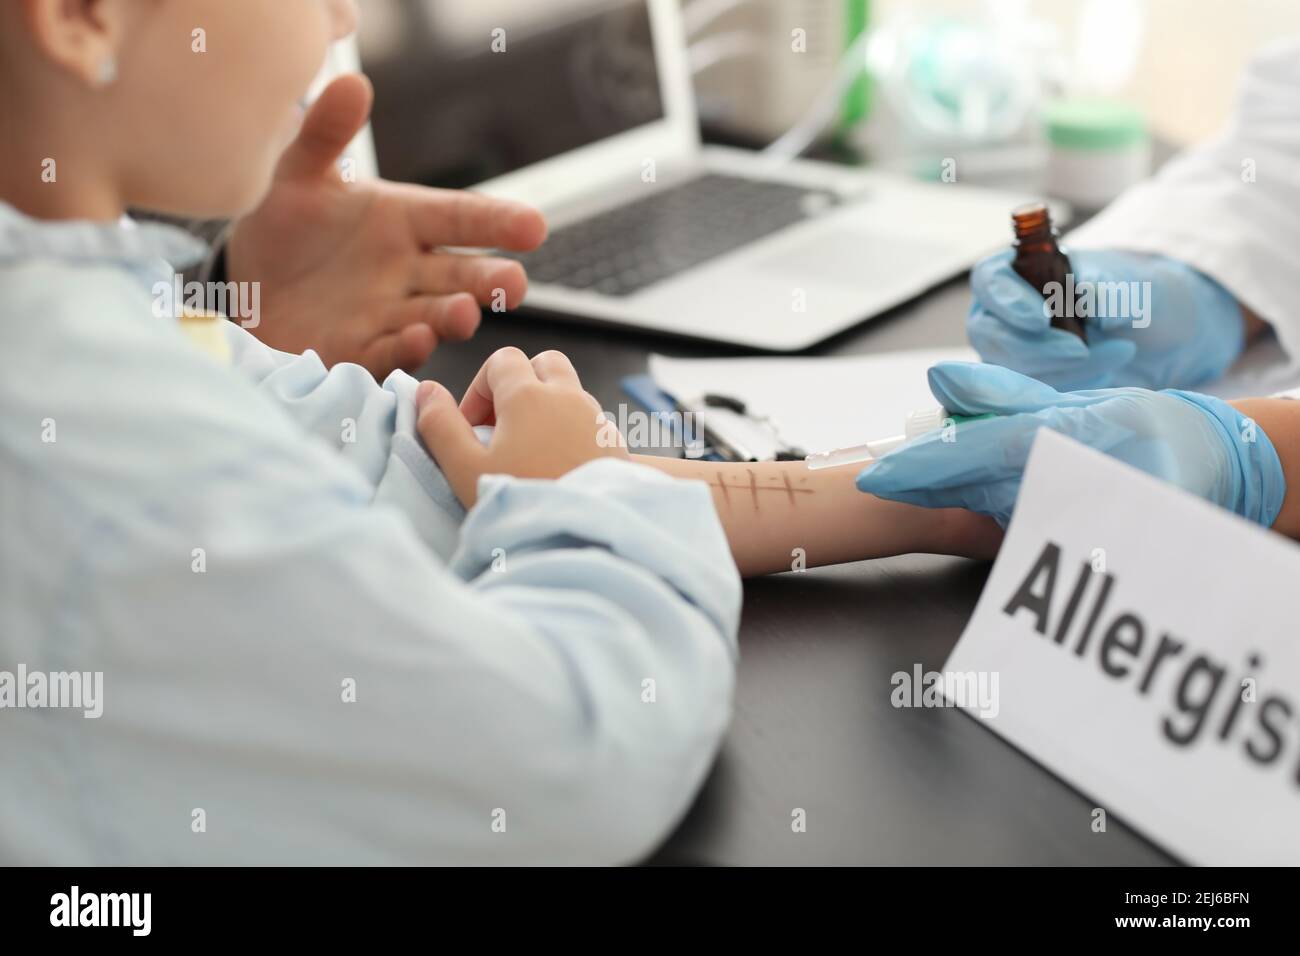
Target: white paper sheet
<point>816,403</point>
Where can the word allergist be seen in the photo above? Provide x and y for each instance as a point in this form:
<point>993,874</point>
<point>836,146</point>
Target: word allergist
<point>1203,702</point>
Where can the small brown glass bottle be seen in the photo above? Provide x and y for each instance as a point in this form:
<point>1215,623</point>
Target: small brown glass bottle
<point>1040,262</point>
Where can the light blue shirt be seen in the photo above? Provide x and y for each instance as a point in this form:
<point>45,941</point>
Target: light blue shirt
<point>544,680</point>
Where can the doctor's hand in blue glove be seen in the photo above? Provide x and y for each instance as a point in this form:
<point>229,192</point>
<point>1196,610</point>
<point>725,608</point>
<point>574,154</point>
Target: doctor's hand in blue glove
<point>1151,321</point>
<point>1197,442</point>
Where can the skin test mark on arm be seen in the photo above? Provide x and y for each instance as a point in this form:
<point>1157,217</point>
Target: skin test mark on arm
<point>722,483</point>
<point>789,491</point>
<point>719,480</point>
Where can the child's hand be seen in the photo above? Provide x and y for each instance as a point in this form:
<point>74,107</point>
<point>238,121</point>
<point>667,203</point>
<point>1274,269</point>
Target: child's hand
<point>546,425</point>
<point>356,270</point>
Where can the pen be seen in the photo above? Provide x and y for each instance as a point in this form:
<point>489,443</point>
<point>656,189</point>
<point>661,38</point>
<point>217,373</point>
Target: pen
<point>915,425</point>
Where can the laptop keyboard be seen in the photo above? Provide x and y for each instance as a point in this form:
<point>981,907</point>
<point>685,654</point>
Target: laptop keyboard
<point>629,247</point>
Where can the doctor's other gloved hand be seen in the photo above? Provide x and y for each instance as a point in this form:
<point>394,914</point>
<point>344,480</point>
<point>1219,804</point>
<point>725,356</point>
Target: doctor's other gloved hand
<point>546,424</point>
<point>1155,322</point>
<point>1196,442</point>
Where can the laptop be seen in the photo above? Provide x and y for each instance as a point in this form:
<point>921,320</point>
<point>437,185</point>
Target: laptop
<point>585,109</point>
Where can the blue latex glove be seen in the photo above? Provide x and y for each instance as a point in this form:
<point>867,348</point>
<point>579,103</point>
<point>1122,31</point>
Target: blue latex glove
<point>1194,441</point>
<point>1196,328</point>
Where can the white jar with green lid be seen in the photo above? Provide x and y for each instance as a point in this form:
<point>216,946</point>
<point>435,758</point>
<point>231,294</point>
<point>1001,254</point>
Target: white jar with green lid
<point>1097,149</point>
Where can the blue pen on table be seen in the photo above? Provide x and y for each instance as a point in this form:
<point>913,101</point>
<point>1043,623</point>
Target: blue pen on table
<point>915,425</point>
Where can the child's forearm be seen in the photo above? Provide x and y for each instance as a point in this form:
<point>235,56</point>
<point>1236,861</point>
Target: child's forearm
<point>779,515</point>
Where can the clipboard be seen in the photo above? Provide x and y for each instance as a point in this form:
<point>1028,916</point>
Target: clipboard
<point>779,408</point>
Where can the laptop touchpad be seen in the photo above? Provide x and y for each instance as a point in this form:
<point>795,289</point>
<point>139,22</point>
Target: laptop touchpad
<point>856,258</point>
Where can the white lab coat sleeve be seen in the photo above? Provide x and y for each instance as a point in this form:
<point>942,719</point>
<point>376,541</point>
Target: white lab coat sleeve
<point>327,692</point>
<point>1231,207</point>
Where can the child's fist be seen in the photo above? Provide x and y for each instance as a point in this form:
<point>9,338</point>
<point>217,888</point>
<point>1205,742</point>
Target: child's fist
<point>546,425</point>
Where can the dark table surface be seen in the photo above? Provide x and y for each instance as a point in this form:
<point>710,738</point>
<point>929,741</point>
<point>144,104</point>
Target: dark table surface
<point>814,728</point>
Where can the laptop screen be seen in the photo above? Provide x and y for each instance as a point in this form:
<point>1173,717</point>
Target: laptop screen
<point>468,90</point>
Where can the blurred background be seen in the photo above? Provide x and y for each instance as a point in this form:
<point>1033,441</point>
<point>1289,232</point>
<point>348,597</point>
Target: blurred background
<point>1176,60</point>
<point>969,78</point>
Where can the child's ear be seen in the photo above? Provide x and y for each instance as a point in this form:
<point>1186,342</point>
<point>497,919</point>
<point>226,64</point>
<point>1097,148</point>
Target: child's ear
<point>82,37</point>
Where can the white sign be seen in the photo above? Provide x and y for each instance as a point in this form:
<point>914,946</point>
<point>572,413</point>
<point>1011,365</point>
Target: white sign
<point>1147,649</point>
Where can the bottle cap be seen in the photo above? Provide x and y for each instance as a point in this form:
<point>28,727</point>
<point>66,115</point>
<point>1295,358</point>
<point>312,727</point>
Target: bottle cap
<point>1089,123</point>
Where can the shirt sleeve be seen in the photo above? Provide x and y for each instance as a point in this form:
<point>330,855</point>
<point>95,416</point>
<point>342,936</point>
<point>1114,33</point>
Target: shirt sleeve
<point>1230,208</point>
<point>370,426</point>
<point>290,674</point>
<point>325,691</point>
<point>328,693</point>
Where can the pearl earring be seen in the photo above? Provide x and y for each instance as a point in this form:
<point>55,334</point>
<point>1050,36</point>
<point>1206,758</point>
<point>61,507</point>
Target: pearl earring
<point>107,71</point>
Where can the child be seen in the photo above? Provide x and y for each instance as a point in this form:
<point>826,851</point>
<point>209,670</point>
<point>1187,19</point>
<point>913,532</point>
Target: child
<point>306,650</point>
